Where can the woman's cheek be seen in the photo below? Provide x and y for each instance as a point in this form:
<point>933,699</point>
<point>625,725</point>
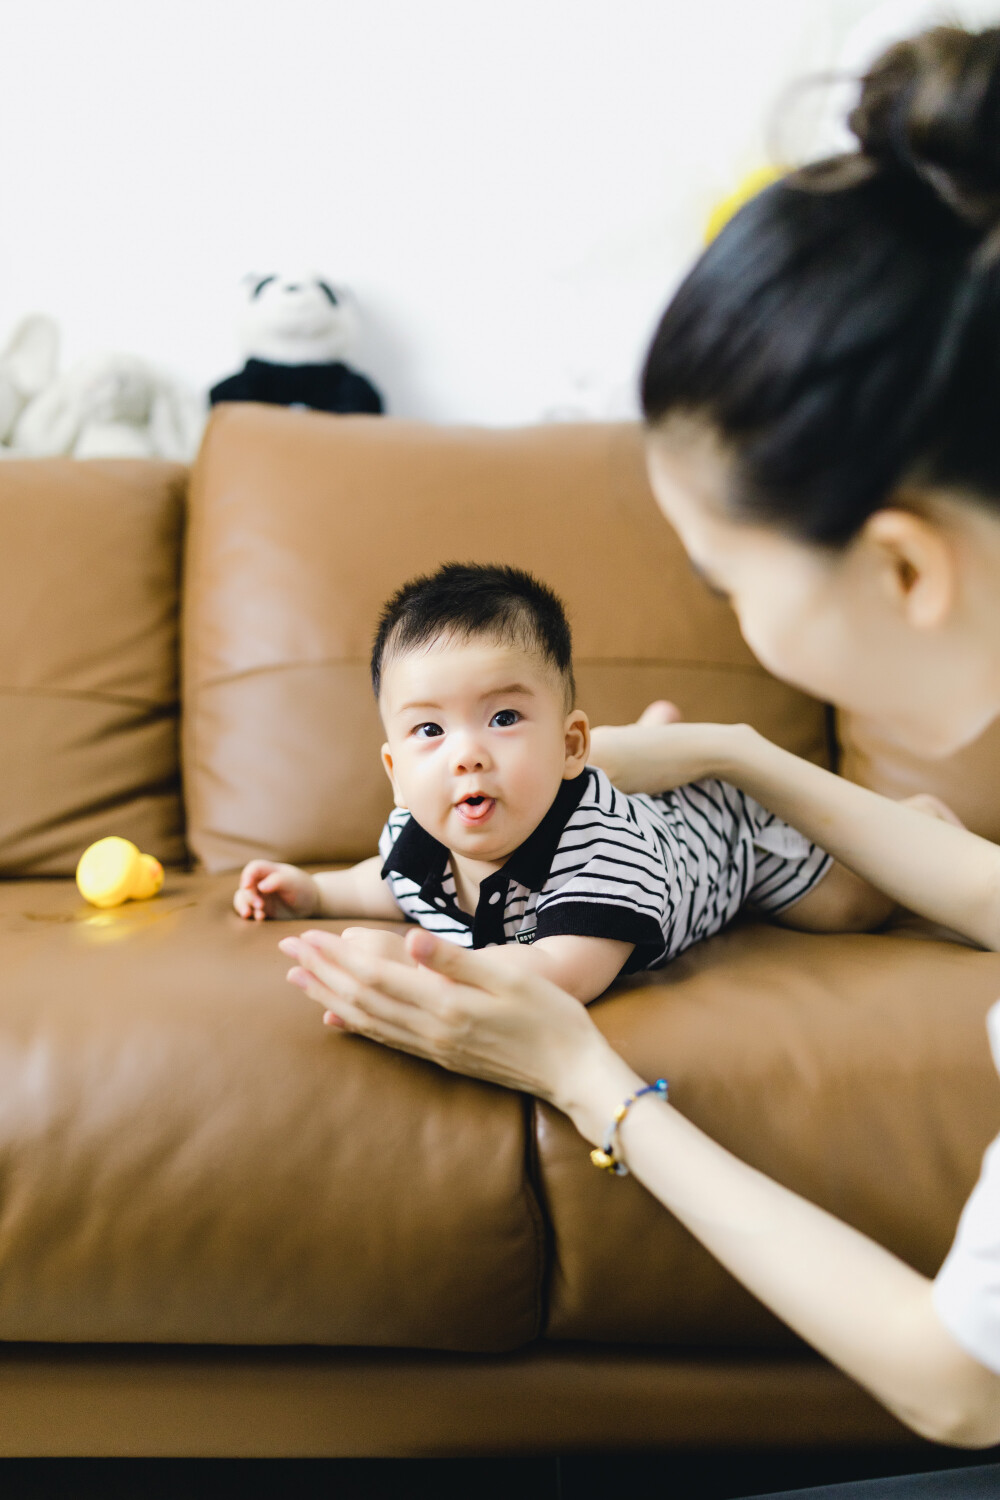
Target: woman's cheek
<point>782,645</point>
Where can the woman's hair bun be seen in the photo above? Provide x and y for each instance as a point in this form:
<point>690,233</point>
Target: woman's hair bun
<point>930,109</point>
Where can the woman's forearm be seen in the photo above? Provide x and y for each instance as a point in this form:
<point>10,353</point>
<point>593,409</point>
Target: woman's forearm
<point>942,872</point>
<point>864,1309</point>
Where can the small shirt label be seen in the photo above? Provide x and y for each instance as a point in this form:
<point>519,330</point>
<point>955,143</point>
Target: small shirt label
<point>527,935</point>
<point>785,842</point>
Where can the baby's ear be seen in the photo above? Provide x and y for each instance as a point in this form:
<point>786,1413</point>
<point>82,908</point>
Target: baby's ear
<point>577,733</point>
<point>390,771</point>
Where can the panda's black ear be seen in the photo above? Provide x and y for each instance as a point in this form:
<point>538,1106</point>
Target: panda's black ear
<point>325,286</point>
<point>260,286</point>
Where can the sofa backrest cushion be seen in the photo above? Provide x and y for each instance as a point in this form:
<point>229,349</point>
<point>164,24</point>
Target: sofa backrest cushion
<point>300,526</point>
<point>89,576</point>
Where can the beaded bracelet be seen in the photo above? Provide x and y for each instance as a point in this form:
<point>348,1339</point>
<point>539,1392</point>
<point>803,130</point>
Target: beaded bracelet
<point>604,1156</point>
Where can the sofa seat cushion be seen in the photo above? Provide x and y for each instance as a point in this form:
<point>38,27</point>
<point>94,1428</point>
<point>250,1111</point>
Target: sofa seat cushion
<point>853,1069</point>
<point>187,1155</point>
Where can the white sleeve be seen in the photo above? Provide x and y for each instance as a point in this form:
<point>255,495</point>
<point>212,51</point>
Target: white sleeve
<point>967,1288</point>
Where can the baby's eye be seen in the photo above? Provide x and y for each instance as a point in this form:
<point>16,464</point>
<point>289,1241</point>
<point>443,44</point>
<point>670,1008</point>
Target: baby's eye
<point>427,731</point>
<point>505,718</point>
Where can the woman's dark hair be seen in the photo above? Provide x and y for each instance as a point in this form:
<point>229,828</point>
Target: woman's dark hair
<point>843,331</point>
<point>469,601</point>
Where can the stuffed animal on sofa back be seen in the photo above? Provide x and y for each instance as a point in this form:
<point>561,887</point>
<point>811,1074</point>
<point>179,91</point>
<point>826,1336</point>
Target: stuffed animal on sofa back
<point>112,406</point>
<point>297,332</point>
<point>27,366</point>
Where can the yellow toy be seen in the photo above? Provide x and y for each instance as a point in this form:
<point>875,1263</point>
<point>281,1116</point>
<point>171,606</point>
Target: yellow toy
<point>753,183</point>
<point>112,871</point>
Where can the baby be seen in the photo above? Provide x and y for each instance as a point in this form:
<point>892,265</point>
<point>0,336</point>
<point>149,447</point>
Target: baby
<point>503,835</point>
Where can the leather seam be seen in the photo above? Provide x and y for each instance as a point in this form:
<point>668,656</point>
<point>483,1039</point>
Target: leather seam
<point>542,1227</point>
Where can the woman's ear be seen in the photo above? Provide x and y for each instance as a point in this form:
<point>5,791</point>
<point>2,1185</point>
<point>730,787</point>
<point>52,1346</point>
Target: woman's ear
<point>390,771</point>
<point>577,743</point>
<point>916,564</point>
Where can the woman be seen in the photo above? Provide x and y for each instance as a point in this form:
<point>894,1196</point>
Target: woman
<point>823,405</point>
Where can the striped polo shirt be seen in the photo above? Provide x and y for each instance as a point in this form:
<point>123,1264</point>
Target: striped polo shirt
<point>661,872</point>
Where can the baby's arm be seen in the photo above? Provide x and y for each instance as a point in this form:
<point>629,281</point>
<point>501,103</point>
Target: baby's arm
<point>267,889</point>
<point>584,966</point>
<point>940,871</point>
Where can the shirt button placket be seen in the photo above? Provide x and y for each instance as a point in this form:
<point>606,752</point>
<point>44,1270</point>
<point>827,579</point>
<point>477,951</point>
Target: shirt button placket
<point>489,915</point>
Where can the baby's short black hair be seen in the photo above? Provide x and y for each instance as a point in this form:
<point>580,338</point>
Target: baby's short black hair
<point>466,601</point>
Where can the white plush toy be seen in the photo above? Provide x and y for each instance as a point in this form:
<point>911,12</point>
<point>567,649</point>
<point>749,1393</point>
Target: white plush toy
<point>27,365</point>
<point>112,406</point>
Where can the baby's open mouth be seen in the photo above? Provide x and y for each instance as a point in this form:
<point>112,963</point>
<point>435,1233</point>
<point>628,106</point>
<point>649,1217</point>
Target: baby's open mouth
<point>475,808</point>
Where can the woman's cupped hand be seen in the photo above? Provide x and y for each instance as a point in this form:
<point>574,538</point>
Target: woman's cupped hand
<point>466,1011</point>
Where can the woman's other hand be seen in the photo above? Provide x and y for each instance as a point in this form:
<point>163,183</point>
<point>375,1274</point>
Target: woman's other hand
<point>926,802</point>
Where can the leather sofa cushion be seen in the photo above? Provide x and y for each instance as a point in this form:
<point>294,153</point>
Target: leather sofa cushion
<point>189,1157</point>
<point>89,571</point>
<point>302,524</point>
<point>853,1069</point>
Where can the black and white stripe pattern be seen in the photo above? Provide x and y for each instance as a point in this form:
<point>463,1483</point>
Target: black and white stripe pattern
<point>660,872</point>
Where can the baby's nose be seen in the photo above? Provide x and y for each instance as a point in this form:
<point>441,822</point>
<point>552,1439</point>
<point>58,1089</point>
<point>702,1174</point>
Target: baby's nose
<point>469,754</point>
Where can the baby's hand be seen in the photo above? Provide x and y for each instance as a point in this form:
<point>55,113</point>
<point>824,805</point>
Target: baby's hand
<point>380,944</point>
<point>270,890</point>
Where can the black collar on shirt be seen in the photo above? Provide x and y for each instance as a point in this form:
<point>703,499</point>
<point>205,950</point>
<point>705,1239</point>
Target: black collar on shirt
<point>419,857</point>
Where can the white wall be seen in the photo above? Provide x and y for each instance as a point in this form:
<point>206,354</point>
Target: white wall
<point>511,188</point>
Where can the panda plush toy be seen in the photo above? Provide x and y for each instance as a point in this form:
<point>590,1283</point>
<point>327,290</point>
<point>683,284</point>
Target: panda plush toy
<point>297,332</point>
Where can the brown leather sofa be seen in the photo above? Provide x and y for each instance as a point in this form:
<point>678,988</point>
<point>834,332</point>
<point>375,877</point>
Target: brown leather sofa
<point>227,1231</point>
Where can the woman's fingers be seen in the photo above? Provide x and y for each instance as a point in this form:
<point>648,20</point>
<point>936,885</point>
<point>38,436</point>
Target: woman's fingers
<point>476,970</point>
<point>351,1018</point>
<point>379,988</point>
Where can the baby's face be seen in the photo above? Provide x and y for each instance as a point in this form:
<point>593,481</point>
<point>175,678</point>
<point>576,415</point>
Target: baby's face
<point>477,742</point>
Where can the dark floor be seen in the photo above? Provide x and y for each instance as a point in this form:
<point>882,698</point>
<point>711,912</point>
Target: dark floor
<point>673,1475</point>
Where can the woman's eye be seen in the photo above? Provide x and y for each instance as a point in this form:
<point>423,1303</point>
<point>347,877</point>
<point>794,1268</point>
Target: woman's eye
<point>427,731</point>
<point>505,718</point>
